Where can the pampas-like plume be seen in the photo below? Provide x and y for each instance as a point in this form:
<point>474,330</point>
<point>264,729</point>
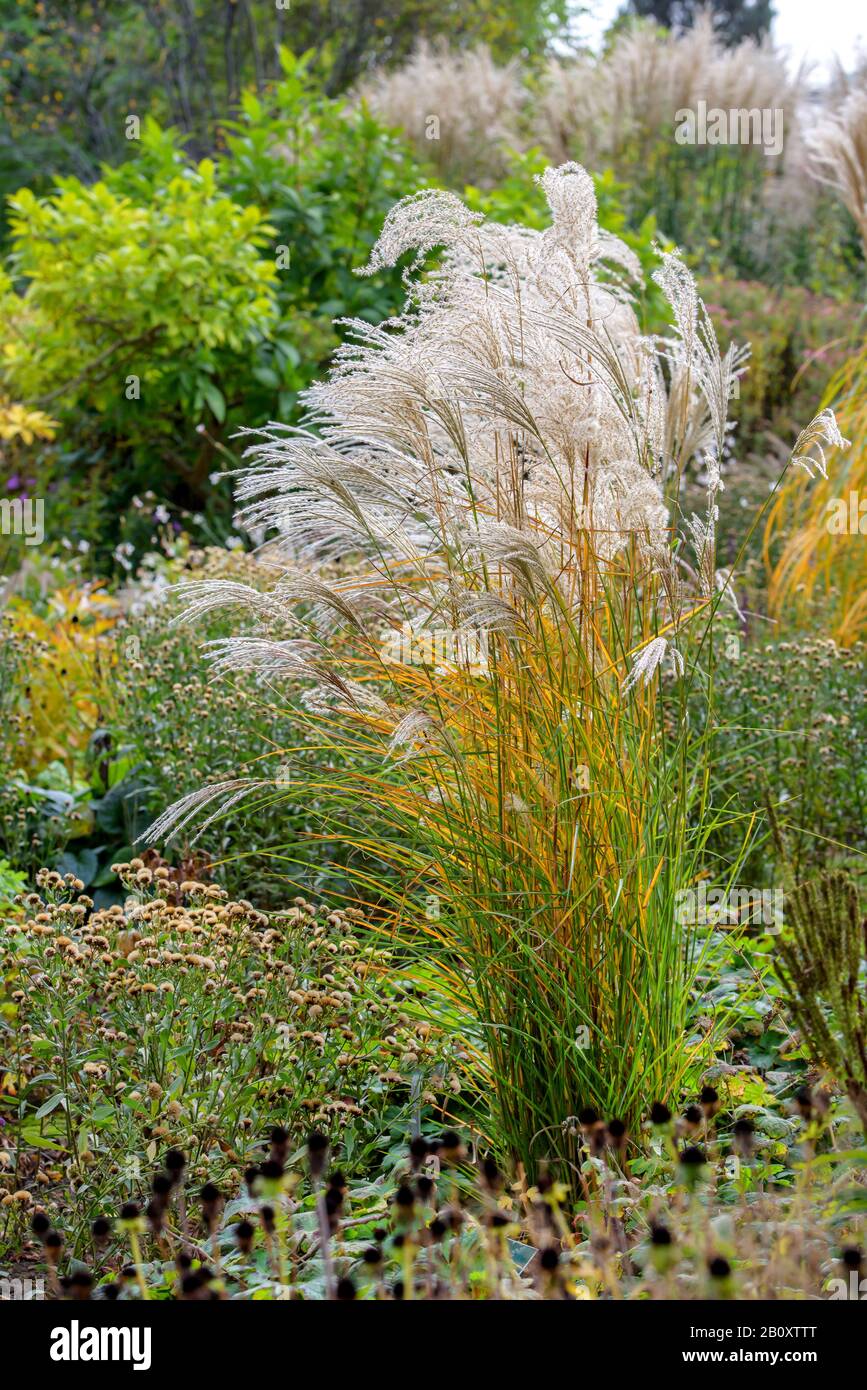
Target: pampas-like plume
<point>226,794</point>
<point>648,661</point>
<point>837,153</point>
<point>459,109</point>
<point>479,531</point>
<point>600,108</point>
<point>822,430</point>
<point>471,458</point>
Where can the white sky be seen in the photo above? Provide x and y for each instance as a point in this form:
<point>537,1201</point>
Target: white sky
<point>813,29</point>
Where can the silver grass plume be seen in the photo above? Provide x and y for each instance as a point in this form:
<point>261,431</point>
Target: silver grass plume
<point>809,453</point>
<point>460,459</point>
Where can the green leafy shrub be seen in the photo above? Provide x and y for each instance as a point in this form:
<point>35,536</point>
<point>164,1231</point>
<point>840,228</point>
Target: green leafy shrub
<point>159,288</point>
<point>131,316</point>
<point>327,173</point>
<point>163,306</point>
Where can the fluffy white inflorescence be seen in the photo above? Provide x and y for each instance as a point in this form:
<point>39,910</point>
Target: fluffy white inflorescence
<point>463,450</point>
<point>823,429</point>
<point>513,404</point>
<point>483,459</point>
<point>837,154</point>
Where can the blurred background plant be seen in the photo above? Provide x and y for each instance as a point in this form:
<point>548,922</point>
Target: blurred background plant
<point>814,538</point>
<point>68,82</point>
<point>792,710</point>
<point>742,210</point>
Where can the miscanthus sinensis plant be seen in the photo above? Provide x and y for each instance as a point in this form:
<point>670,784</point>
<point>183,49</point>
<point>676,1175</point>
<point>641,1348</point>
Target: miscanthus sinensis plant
<point>486,583</point>
<point>815,527</point>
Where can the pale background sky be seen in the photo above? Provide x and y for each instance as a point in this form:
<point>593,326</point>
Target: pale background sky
<point>814,29</point>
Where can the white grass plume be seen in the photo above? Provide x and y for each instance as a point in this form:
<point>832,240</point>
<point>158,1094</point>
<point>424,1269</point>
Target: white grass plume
<point>468,466</point>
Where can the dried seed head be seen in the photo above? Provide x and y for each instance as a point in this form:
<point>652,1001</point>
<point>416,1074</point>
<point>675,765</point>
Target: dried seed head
<point>317,1149</point>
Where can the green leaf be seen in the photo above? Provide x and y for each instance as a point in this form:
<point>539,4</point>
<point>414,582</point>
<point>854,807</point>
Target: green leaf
<point>59,1098</point>
<point>214,398</point>
<point>84,865</point>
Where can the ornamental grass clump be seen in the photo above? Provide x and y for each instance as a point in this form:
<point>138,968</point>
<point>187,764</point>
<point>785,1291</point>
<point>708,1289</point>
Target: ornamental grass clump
<point>484,578</point>
<point>466,137</point>
<point>814,533</point>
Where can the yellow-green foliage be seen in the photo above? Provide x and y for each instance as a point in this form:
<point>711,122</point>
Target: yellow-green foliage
<point>18,423</point>
<point>64,655</point>
<point>811,560</point>
<point>115,287</point>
